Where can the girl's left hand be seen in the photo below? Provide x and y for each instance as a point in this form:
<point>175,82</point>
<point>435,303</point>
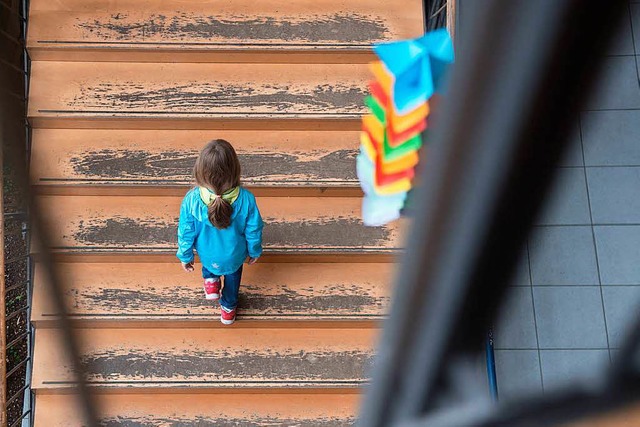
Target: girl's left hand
<point>252,261</point>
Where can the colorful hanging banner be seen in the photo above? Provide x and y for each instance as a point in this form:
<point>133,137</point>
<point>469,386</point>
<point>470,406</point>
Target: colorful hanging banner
<point>407,74</point>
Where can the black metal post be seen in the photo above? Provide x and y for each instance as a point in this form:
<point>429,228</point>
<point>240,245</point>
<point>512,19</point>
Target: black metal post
<point>526,68</point>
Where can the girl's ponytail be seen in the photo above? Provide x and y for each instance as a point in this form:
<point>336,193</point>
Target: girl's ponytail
<point>217,168</point>
<point>220,213</point>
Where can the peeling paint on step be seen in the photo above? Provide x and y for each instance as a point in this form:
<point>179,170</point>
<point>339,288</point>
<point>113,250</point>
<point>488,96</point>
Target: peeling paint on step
<point>338,165</point>
<point>208,98</point>
<point>238,365</point>
<point>225,422</point>
<point>333,233</point>
<point>335,299</point>
<point>109,163</point>
<point>126,232</point>
<point>337,28</point>
<point>176,165</point>
<point>141,232</point>
<point>290,301</point>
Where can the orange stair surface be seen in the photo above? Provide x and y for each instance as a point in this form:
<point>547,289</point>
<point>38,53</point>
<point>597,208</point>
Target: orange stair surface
<point>204,410</point>
<point>209,359</point>
<point>147,293</point>
<point>123,95</point>
<point>123,224</point>
<point>87,161</point>
<point>238,31</point>
<point>197,95</point>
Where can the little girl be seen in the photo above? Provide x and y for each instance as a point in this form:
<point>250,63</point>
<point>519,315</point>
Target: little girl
<point>222,221</point>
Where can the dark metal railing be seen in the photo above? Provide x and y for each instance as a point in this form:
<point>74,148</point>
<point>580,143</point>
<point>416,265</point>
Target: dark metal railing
<point>435,13</point>
<point>441,14</point>
<point>16,152</point>
<point>16,266</point>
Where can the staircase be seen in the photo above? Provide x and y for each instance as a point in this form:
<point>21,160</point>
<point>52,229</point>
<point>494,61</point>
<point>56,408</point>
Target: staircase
<point>123,96</point>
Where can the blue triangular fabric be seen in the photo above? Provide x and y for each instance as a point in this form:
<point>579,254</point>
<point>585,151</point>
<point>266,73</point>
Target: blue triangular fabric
<point>418,66</point>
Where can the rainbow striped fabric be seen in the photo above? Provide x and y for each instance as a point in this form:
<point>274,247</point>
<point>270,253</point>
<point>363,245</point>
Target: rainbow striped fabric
<point>406,76</point>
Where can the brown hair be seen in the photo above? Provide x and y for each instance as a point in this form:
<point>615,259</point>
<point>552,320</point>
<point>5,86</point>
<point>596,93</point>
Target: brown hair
<point>218,169</point>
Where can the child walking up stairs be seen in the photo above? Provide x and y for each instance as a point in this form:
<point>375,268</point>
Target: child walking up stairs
<point>123,96</point>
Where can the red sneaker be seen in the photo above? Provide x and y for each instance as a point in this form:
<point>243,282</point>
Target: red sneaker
<point>227,317</point>
<point>212,289</point>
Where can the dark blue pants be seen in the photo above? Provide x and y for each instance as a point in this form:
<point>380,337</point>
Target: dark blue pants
<point>229,297</point>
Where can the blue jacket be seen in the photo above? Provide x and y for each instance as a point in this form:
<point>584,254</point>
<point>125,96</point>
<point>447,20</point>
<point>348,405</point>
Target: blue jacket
<point>220,251</point>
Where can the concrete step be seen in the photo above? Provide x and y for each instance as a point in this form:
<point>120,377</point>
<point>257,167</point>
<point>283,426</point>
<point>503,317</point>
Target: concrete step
<point>162,295</point>
<point>123,225</point>
<point>197,96</point>
<point>203,410</point>
<point>213,359</point>
<point>195,31</point>
<point>152,162</point>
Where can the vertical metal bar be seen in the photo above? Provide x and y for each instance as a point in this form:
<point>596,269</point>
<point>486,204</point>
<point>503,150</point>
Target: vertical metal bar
<point>3,293</point>
<point>526,69</point>
<point>56,292</point>
<point>19,160</point>
<point>451,18</point>
<point>28,402</point>
<point>491,366</point>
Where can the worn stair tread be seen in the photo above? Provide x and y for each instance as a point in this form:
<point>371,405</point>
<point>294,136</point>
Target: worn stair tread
<point>142,30</point>
<point>163,292</point>
<point>199,95</point>
<point>68,159</point>
<point>294,225</point>
<point>209,358</point>
<point>202,410</point>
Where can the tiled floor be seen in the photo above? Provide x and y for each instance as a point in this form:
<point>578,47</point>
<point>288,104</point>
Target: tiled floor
<point>579,280</point>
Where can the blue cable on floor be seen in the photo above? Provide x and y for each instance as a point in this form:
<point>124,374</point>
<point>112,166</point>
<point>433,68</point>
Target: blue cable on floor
<point>491,366</point>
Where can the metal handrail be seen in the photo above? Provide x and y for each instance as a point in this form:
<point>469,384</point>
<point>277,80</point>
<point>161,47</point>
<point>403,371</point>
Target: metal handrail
<point>9,94</point>
<point>48,268</point>
<point>3,320</point>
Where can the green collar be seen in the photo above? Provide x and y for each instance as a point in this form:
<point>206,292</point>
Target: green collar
<point>229,196</point>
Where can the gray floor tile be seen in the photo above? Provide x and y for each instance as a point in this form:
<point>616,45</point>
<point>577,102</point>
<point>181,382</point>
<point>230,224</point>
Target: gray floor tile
<point>611,138</point>
<point>623,42</point>
<point>518,373</point>
<point>615,195</point>
<point>570,317</point>
<point>561,367</point>
<point>621,308</point>
<point>563,256</point>
<point>567,203</point>
<point>522,277</point>
<point>618,249</point>
<point>573,156</point>
<point>635,17</point>
<point>617,86</point>
<point>515,328</point>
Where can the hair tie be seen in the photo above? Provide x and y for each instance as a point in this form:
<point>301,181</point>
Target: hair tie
<point>208,196</point>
